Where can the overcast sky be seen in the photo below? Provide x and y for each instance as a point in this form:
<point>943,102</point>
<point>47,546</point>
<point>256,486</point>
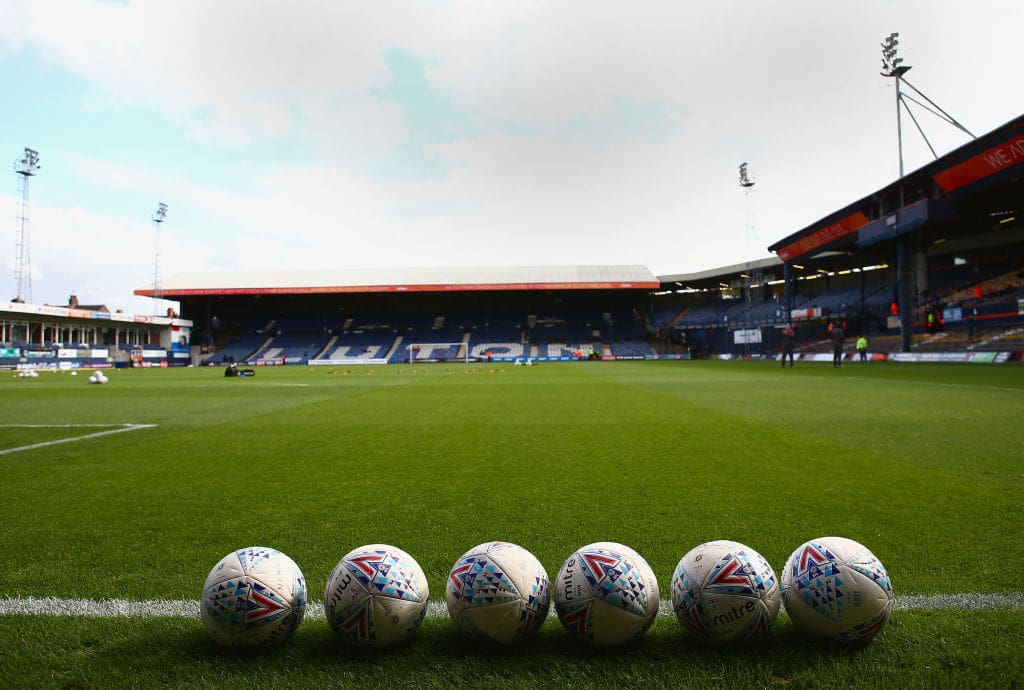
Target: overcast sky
<point>335,134</point>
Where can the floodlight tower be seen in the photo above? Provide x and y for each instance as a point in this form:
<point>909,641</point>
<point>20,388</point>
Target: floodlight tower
<point>892,67</point>
<point>748,193</point>
<point>26,166</point>
<point>158,217</point>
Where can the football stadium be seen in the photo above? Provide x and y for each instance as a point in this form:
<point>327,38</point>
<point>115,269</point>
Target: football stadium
<point>533,476</point>
<point>553,408</point>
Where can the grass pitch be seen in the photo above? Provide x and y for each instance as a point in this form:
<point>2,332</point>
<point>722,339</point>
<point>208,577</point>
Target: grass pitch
<point>921,463</point>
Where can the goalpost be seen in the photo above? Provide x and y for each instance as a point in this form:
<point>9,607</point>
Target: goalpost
<point>436,352</point>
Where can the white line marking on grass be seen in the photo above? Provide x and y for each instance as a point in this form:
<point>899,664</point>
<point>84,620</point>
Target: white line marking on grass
<point>163,608</point>
<point>969,601</point>
<point>119,429</point>
<point>98,608</point>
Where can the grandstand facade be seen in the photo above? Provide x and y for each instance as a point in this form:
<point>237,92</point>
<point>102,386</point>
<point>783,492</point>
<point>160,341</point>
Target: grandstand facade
<point>394,315</point>
<point>933,261</point>
<point>930,263</point>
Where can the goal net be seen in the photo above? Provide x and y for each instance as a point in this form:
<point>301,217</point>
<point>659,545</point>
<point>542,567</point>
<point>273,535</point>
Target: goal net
<point>436,352</point>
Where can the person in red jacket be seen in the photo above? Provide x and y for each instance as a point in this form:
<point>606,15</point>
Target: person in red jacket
<point>838,338</point>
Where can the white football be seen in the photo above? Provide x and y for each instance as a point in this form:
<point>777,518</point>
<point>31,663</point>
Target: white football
<point>253,597</point>
<point>376,596</point>
<point>498,591</point>
<point>606,594</point>
<point>723,591</point>
<point>835,588</point>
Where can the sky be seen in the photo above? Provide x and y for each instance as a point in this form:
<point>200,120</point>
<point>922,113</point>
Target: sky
<point>463,133</point>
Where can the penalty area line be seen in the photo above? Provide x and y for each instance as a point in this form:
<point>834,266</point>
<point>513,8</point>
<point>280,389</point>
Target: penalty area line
<point>164,608</point>
<point>119,429</point>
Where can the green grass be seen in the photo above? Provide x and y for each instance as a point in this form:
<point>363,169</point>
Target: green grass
<point>922,463</point>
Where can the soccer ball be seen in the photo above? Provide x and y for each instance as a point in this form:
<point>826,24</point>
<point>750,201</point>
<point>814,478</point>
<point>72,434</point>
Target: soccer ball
<point>835,588</point>
<point>606,594</point>
<point>254,597</point>
<point>723,591</point>
<point>499,592</point>
<point>376,596</point>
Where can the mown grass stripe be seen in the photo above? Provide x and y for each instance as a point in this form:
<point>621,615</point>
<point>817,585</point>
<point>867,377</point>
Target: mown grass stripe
<point>164,608</point>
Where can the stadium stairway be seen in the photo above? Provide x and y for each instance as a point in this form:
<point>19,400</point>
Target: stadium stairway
<point>256,353</point>
<point>394,348</point>
<point>327,348</point>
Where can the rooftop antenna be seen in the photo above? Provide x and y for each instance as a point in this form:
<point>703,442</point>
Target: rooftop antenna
<point>158,217</point>
<point>748,193</point>
<point>26,166</point>
<point>893,66</point>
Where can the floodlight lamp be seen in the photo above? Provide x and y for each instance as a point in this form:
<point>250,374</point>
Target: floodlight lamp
<point>28,164</point>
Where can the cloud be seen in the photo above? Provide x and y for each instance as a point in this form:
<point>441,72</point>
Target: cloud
<point>229,70</point>
<point>479,132</point>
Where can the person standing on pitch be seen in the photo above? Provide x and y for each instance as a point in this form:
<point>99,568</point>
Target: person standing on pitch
<point>788,342</point>
<point>837,345</point>
<point>862,348</point>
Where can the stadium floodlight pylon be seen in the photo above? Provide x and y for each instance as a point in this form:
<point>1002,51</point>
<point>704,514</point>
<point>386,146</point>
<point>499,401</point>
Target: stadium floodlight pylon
<point>425,352</point>
<point>26,166</point>
<point>748,188</point>
<point>892,67</point>
<point>158,217</point>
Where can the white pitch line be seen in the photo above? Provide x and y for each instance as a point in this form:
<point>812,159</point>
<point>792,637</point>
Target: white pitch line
<point>44,444</point>
<point>189,608</point>
<point>59,426</point>
<point>968,601</point>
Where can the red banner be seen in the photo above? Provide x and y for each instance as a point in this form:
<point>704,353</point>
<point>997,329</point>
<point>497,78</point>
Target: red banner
<point>1001,157</point>
<point>826,235</point>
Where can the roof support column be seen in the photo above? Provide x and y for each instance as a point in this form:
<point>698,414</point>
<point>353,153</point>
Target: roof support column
<point>787,276</point>
<point>903,294</point>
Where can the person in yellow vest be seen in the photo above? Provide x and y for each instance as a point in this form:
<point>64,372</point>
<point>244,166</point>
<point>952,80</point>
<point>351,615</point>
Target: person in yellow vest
<point>862,348</point>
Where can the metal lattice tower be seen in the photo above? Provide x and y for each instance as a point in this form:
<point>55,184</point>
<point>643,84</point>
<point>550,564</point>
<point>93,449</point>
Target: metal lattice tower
<point>748,190</point>
<point>26,167</point>
<point>158,217</point>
